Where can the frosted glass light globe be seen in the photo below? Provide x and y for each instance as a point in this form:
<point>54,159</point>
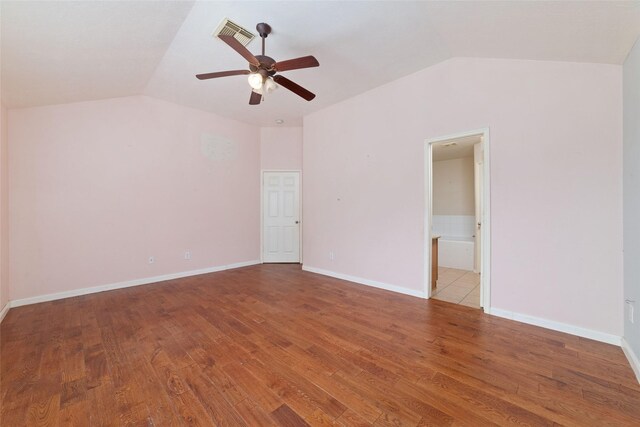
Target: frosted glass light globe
<point>255,80</point>
<point>270,85</point>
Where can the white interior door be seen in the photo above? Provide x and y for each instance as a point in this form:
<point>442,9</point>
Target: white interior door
<point>281,217</point>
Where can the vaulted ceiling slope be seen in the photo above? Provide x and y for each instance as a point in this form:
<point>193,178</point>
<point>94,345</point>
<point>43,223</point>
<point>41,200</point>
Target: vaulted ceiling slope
<point>57,52</point>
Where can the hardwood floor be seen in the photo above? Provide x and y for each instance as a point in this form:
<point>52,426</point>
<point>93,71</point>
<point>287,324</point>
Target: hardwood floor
<point>273,345</point>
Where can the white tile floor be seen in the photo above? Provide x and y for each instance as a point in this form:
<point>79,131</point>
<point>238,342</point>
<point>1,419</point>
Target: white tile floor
<point>458,287</point>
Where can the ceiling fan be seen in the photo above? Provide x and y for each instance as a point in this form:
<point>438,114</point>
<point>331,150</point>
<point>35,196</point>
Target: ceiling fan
<point>262,69</point>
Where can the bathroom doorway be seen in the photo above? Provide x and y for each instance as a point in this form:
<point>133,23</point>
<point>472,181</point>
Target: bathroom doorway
<point>457,219</point>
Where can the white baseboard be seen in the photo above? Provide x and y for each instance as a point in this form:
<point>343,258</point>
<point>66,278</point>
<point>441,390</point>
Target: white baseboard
<point>238,265</point>
<point>367,282</point>
<point>634,361</point>
<point>5,310</point>
<point>557,326</point>
<point>126,284</point>
<point>524,318</point>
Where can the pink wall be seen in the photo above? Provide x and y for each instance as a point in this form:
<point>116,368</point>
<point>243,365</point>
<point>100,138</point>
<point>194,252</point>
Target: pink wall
<point>281,148</point>
<point>631,195</point>
<point>556,181</point>
<point>98,187</point>
<point>4,210</point>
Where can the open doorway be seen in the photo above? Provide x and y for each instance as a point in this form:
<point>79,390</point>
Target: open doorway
<point>457,219</point>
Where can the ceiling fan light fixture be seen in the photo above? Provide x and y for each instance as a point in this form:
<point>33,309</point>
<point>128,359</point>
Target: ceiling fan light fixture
<point>255,80</point>
<point>262,70</point>
<point>269,85</point>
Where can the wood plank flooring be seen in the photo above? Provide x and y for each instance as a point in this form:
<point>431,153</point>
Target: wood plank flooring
<point>273,345</point>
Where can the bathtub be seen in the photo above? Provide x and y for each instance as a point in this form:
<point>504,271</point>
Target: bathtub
<point>456,252</point>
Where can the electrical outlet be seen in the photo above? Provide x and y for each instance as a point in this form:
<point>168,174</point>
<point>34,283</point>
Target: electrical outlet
<point>630,310</point>
<point>151,260</point>
<point>331,255</point>
<point>187,255</point>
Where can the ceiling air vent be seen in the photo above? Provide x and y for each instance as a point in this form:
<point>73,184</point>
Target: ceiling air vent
<point>230,28</point>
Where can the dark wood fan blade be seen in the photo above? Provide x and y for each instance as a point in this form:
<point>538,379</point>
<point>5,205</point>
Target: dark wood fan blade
<point>255,98</point>
<point>238,47</point>
<point>221,74</point>
<point>294,87</point>
<point>297,63</point>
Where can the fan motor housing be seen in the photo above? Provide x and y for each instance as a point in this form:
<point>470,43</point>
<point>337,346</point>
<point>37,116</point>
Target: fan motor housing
<point>266,63</point>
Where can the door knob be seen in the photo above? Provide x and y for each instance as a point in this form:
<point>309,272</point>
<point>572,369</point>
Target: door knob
<point>297,222</point>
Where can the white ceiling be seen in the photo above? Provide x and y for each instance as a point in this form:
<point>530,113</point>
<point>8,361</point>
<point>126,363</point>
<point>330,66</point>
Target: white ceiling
<point>56,52</point>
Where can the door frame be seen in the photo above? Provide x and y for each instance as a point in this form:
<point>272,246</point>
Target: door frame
<point>485,229</point>
<point>262,172</point>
